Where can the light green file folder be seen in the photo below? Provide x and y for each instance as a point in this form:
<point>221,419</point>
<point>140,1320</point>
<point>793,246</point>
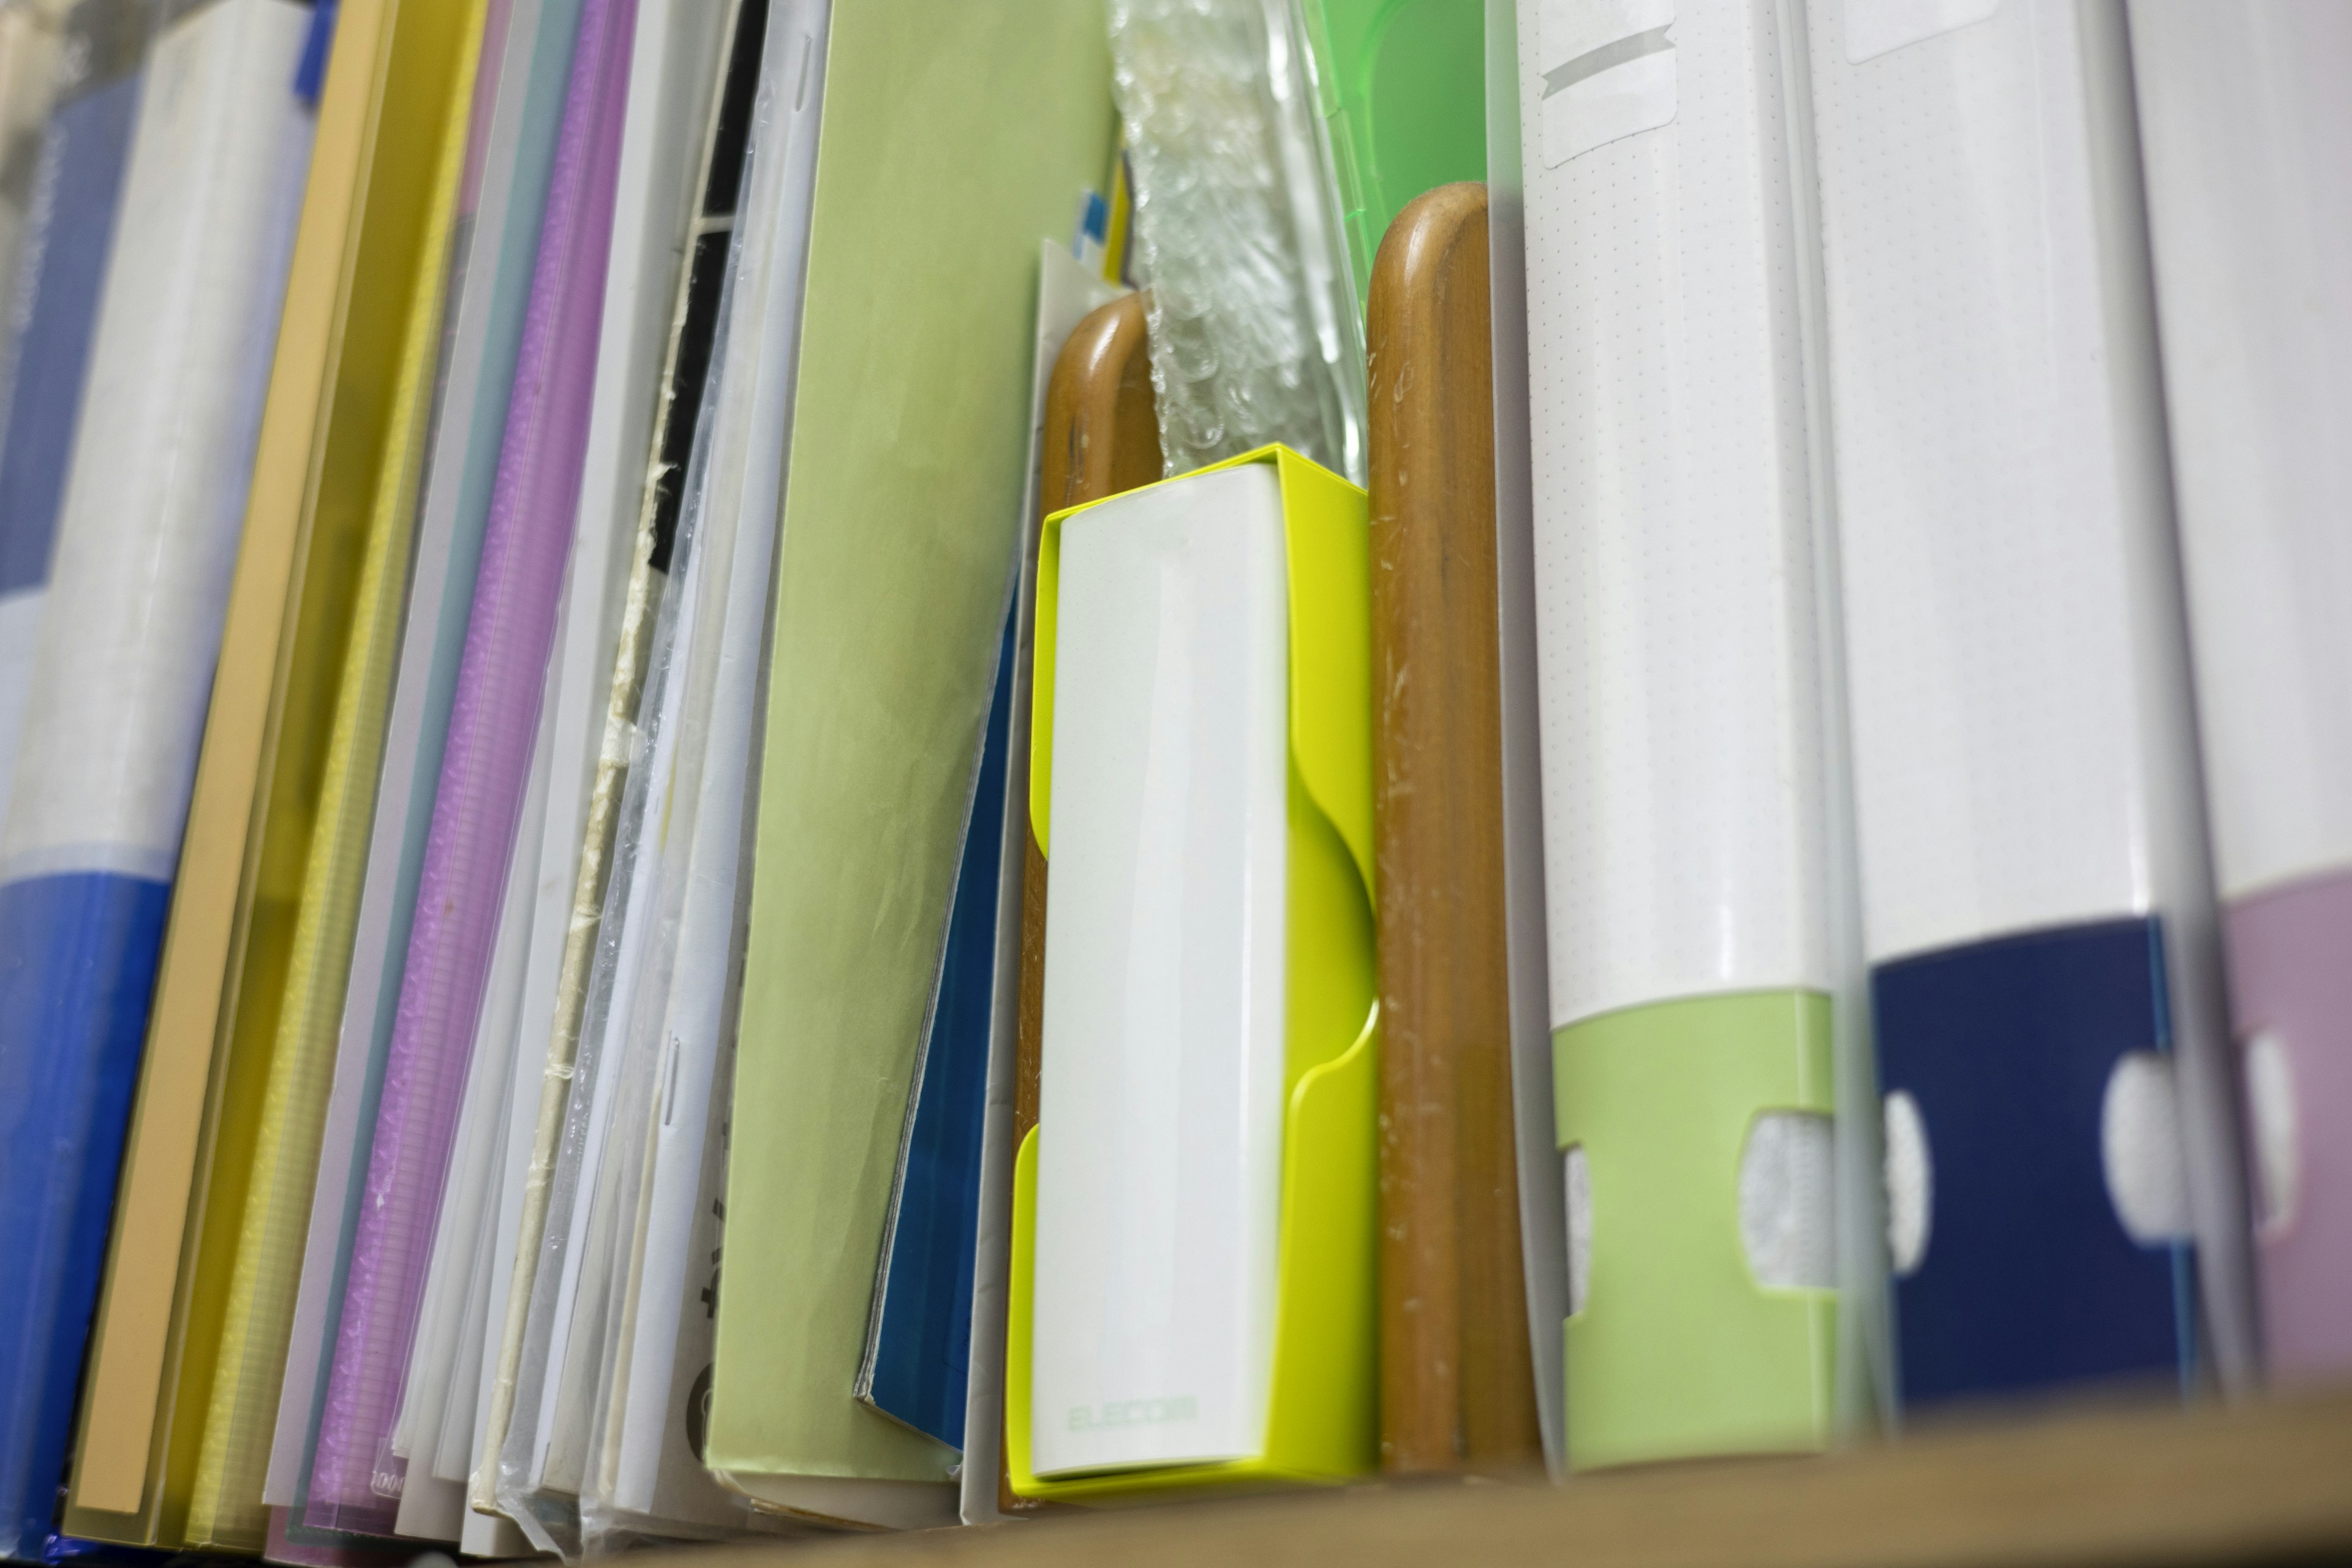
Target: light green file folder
<point>951,140</point>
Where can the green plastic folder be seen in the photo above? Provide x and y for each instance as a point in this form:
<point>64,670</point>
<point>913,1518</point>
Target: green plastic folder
<point>952,139</point>
<point>1679,1353</point>
<point>1401,85</point>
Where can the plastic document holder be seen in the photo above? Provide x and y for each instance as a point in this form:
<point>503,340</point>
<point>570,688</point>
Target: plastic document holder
<point>1321,1423</point>
<point>2039,911</point>
<point>2242,124</point>
<point>1678,1349</point>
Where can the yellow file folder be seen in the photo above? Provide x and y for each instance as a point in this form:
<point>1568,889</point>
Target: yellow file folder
<point>190,1159</point>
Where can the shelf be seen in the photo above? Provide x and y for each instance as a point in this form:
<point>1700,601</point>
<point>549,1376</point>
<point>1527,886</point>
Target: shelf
<point>2268,1482</point>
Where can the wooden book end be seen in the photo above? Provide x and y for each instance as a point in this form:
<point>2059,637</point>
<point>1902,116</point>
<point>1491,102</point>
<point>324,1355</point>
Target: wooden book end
<point>1102,437</point>
<point>1457,1386</point>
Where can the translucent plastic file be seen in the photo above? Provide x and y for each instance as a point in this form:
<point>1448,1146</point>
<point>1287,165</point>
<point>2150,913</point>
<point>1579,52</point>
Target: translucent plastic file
<point>2038,908</point>
<point>336,407</point>
<point>493,242</point>
<point>152,507</point>
<point>479,798</point>
<point>2243,121</point>
<point>225,1508</point>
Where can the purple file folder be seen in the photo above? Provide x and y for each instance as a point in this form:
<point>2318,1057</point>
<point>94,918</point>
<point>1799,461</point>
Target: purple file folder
<point>2292,996</point>
<point>356,1480</point>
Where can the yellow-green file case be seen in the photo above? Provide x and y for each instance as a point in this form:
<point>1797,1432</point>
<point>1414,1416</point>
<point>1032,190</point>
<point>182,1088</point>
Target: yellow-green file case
<point>1321,1423</point>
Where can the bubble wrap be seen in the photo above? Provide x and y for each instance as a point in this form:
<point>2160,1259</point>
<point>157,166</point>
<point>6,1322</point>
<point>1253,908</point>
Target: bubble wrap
<point>1254,327</point>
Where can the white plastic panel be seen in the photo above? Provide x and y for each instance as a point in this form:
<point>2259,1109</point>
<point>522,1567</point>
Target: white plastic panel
<point>2022,725</point>
<point>155,493</point>
<point>2246,133</point>
<point>1159,1127</point>
<point>1682,812</point>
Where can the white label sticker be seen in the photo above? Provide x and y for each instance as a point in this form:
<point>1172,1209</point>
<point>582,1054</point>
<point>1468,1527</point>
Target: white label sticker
<point>1607,69</point>
<point>1875,27</point>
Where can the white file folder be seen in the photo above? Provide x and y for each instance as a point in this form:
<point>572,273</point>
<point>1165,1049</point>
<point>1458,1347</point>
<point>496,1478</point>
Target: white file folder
<point>1681,705</point>
<point>2025,762</point>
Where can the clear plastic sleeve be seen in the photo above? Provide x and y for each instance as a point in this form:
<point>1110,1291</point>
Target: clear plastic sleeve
<point>1865,1383</point>
<point>1543,1223</point>
<point>1256,335</point>
<point>578,1300</point>
<point>665,1177</point>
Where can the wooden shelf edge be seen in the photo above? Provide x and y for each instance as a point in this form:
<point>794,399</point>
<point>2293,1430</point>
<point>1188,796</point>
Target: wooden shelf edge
<point>2265,1482</point>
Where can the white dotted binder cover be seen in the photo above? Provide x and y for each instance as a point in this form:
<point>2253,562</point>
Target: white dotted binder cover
<point>1677,677</point>
<point>1677,672</point>
<point>2021,723</point>
<point>2245,126</point>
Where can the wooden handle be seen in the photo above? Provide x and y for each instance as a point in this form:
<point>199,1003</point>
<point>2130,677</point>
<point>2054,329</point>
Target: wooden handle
<point>1457,1386</point>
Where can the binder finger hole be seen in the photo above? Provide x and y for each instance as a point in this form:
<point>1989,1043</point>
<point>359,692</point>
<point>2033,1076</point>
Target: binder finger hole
<point>2139,1148</point>
<point>2271,1121</point>
<point>1578,1174</point>
<point>1910,1185</point>
<point>1788,1202</point>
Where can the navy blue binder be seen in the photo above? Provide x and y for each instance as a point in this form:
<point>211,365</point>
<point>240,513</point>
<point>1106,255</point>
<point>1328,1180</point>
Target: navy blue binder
<point>2028,1280</point>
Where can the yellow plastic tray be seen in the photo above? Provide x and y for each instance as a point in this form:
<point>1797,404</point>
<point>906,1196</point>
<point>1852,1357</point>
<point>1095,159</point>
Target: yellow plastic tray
<point>1322,1421</point>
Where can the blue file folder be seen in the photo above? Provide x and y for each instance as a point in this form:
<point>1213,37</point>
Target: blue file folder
<point>922,1338</point>
<point>2029,1279</point>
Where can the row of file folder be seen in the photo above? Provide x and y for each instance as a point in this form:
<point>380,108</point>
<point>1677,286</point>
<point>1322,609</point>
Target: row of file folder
<point>776,766</point>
